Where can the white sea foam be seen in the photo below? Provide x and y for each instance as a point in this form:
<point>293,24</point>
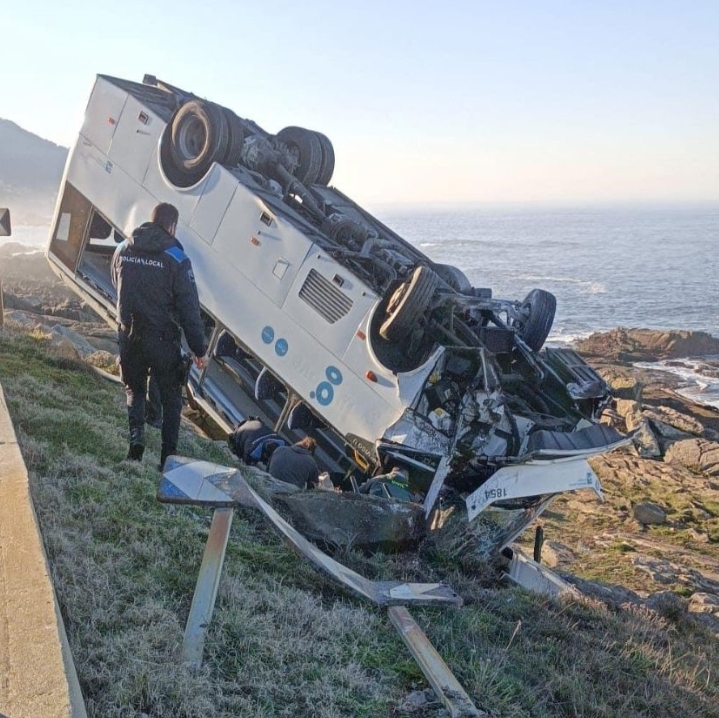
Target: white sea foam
<point>697,387</point>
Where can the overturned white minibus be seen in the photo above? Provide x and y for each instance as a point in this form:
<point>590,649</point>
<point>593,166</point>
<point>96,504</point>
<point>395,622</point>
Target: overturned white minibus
<point>321,319</point>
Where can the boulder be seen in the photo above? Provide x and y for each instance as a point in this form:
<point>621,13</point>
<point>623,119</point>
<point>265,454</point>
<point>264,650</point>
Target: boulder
<point>682,423</point>
<point>555,554</point>
<point>660,570</point>
<point>353,520</point>
<point>702,602</point>
<point>630,411</point>
<point>645,442</point>
<point>696,454</point>
<point>633,345</point>
<point>649,513</point>
<point>61,335</point>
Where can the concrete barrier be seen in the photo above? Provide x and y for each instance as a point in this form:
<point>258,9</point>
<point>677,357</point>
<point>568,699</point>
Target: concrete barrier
<point>37,674</point>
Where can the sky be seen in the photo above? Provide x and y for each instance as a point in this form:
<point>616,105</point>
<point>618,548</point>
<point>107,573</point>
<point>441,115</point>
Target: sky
<point>466,101</point>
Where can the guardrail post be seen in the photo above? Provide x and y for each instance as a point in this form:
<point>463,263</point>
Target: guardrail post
<point>208,581</point>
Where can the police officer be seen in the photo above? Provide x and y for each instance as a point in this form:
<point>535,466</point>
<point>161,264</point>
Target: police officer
<point>156,297</point>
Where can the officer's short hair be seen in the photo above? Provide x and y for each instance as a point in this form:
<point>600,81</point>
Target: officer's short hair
<point>165,214</point>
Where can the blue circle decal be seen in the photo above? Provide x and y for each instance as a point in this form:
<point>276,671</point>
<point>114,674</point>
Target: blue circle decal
<point>268,334</point>
<point>334,375</point>
<point>281,347</point>
<point>325,393</point>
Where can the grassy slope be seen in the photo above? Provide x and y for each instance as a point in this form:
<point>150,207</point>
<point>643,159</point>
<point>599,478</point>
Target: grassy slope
<point>284,641</point>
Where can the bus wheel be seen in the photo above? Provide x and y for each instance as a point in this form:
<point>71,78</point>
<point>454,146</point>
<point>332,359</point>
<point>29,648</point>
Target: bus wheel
<point>407,305</point>
<point>540,307</point>
<point>455,277</point>
<point>328,159</point>
<point>305,149</point>
<point>236,139</point>
<point>196,136</point>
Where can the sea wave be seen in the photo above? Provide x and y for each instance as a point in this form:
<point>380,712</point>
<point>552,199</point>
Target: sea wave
<point>700,377</point>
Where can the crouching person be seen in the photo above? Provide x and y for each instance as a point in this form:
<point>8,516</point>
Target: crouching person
<point>296,464</point>
<point>249,440</point>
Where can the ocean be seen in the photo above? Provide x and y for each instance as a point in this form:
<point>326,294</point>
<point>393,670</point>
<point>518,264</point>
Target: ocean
<point>654,266</point>
<point>650,267</point>
<point>631,267</point>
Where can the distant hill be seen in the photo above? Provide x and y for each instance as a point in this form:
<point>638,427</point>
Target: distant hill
<point>30,172</point>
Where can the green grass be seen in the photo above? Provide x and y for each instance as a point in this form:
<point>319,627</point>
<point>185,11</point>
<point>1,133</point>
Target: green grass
<point>284,640</point>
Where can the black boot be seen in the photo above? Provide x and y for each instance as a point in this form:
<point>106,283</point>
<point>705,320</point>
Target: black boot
<point>164,453</point>
<point>137,443</point>
<point>135,453</point>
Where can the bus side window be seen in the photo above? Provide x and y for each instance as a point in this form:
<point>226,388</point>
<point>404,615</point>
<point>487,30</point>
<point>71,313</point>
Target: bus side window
<point>226,346</point>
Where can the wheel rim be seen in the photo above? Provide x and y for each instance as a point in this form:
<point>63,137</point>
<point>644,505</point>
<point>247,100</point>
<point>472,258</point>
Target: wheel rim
<point>191,138</point>
<point>396,298</point>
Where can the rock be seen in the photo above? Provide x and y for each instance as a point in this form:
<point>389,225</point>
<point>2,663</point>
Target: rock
<point>418,700</point>
<point>556,554</point>
<point>649,513</point>
<point>614,595</point>
<point>626,388</point>
<point>354,520</point>
<point>696,454</point>
<point>633,345</point>
<point>660,570</point>
<point>267,486</point>
<point>673,419</point>
<point>61,335</point>
<point>630,411</point>
<point>701,602</point>
<point>645,442</point>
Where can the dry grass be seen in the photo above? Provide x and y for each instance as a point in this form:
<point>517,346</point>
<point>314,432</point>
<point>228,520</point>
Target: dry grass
<point>284,641</point>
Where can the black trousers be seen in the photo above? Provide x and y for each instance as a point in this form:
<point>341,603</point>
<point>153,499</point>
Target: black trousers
<point>138,357</point>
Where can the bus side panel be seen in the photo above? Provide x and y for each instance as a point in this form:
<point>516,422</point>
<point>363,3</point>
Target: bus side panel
<point>103,113</point>
<point>267,255</point>
<point>329,301</point>
<point>136,136</point>
<point>107,186</point>
<point>217,194</point>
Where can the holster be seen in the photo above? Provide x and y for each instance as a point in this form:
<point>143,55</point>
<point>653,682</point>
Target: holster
<point>183,369</point>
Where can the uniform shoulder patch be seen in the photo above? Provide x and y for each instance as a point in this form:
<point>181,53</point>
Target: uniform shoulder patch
<point>176,253</point>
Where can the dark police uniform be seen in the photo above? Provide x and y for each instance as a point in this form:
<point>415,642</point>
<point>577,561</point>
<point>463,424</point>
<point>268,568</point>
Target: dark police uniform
<point>156,296</point>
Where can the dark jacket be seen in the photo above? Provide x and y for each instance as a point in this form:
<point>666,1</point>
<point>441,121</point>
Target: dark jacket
<point>295,465</point>
<point>251,440</point>
<point>156,292</point>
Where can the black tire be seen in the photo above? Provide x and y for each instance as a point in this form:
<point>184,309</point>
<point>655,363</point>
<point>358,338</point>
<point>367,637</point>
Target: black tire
<point>306,148</point>
<point>327,166</point>
<point>455,277</point>
<point>236,139</point>
<point>534,330</point>
<point>407,305</point>
<point>196,136</point>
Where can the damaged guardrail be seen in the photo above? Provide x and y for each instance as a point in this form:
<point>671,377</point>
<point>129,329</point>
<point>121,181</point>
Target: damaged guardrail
<point>202,483</point>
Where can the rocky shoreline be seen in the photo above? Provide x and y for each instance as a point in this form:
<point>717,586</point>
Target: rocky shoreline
<point>656,534</point>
